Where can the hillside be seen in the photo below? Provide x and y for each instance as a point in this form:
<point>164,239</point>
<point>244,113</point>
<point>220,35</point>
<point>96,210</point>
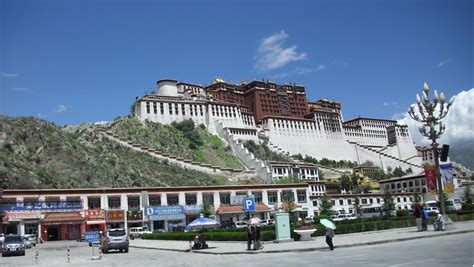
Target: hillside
<point>38,154</point>
<point>182,139</point>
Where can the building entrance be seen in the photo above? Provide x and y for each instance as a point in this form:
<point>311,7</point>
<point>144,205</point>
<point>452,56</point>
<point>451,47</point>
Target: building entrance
<point>53,233</point>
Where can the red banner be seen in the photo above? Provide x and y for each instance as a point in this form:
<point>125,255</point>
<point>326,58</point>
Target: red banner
<point>430,176</point>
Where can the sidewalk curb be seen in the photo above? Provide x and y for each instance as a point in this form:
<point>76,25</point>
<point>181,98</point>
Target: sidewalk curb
<point>309,249</point>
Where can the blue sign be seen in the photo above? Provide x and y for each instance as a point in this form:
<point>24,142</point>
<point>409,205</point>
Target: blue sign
<point>164,210</point>
<point>41,205</point>
<point>91,236</point>
<point>249,204</point>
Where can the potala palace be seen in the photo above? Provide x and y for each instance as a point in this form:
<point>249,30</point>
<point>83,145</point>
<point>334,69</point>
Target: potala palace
<point>280,116</point>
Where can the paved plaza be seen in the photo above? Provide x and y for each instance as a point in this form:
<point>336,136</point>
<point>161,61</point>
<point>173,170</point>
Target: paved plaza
<point>399,247</point>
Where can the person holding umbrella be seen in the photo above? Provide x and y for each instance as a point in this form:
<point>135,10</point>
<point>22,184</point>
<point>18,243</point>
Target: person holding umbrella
<point>330,226</point>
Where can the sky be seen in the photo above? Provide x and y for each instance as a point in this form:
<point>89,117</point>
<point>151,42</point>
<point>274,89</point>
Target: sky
<point>71,62</point>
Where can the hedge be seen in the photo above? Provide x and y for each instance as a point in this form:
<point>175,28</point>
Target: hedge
<point>343,227</point>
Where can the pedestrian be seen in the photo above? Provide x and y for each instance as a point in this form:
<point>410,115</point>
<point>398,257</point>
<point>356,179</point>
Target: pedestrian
<point>424,220</point>
<point>417,214</point>
<point>329,236</point>
<point>250,236</point>
<point>438,224</point>
<point>256,242</point>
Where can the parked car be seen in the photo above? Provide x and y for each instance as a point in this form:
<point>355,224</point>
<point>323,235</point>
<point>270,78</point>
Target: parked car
<point>136,232</point>
<point>13,245</point>
<point>431,210</point>
<point>32,239</point>
<point>26,241</point>
<point>267,222</point>
<point>453,204</point>
<point>240,224</point>
<point>115,239</point>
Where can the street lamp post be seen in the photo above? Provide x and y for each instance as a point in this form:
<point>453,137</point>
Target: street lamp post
<point>430,115</point>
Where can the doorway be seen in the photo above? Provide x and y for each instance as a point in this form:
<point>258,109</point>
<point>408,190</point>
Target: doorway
<point>53,233</point>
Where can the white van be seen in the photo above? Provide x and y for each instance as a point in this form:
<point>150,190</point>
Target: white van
<point>454,204</point>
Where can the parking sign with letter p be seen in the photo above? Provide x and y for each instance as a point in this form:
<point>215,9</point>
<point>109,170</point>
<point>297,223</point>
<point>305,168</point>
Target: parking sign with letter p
<point>249,205</point>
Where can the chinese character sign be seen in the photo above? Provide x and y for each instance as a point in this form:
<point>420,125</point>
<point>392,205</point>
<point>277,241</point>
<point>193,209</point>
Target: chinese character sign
<point>446,172</point>
<point>430,176</point>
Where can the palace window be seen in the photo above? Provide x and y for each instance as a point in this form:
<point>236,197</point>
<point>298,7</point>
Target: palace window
<point>225,198</point>
<point>154,200</point>
<point>114,202</point>
<point>133,202</point>
<point>191,199</point>
<point>162,110</point>
<point>172,199</point>
<point>209,198</point>
<point>257,196</point>
<point>301,196</point>
<point>272,197</point>
<point>93,202</point>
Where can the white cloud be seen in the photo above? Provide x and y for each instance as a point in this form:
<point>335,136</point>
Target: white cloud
<point>459,122</point>
<point>442,63</point>
<point>272,54</point>
<point>9,75</point>
<point>391,104</point>
<point>60,109</point>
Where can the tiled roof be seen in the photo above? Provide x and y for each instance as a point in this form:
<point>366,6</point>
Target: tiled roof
<point>240,209</point>
<point>56,217</point>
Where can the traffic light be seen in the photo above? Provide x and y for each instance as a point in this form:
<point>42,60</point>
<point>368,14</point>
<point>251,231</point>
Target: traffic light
<point>444,153</point>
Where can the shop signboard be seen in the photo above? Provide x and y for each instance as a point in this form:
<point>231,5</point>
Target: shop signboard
<point>115,215</point>
<point>41,205</point>
<point>135,215</point>
<point>165,213</point>
<point>95,214</point>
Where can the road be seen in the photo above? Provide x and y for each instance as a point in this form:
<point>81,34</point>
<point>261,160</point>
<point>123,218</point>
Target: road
<point>451,250</point>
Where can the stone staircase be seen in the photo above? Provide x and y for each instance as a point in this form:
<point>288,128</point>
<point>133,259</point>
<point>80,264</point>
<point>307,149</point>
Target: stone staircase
<point>378,152</point>
<point>260,168</point>
<point>232,174</point>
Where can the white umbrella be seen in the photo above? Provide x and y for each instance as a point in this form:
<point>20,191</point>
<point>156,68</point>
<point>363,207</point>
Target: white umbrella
<point>327,223</point>
<point>203,223</point>
<point>254,221</point>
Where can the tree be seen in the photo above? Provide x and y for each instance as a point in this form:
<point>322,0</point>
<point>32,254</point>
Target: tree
<point>388,202</point>
<point>326,205</point>
<point>357,207</point>
<point>416,197</point>
<point>206,209</point>
<point>346,183</point>
<point>398,172</point>
<point>468,194</point>
<point>363,188</point>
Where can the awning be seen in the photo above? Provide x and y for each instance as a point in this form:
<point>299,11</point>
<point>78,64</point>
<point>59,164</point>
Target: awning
<point>240,209</point>
<point>95,222</point>
<point>11,216</point>
<point>62,218</point>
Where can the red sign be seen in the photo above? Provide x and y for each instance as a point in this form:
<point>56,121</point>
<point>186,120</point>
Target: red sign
<point>430,176</point>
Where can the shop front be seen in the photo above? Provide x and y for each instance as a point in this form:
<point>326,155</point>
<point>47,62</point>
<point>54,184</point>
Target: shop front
<point>134,218</point>
<point>233,213</point>
<point>62,226</point>
<point>166,218</point>
<point>192,212</point>
<point>95,220</point>
<point>115,219</point>
<point>21,222</point>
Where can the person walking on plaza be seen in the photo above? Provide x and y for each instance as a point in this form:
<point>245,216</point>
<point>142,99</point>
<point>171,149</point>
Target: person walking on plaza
<point>250,236</point>
<point>329,236</point>
<point>417,212</point>
<point>256,238</point>
<point>424,220</point>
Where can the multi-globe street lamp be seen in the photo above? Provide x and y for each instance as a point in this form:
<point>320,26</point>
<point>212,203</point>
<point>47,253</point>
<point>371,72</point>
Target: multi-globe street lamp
<point>430,114</point>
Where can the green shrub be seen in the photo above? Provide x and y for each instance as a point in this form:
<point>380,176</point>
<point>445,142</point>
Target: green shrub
<point>468,206</point>
<point>403,213</point>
